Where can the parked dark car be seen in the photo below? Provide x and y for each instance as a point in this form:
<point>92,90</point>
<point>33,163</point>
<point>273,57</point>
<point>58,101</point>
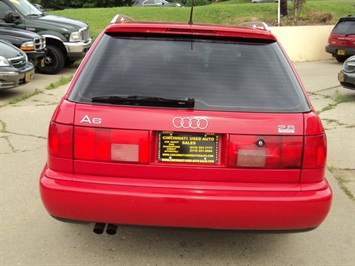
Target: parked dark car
<point>15,69</point>
<point>341,42</point>
<point>346,76</point>
<point>187,125</point>
<point>155,3</point>
<point>30,42</point>
<point>67,39</point>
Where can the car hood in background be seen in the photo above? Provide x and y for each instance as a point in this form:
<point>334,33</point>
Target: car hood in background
<point>9,51</point>
<point>18,34</point>
<point>57,21</point>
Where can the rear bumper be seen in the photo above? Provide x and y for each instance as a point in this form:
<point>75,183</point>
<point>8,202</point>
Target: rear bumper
<point>349,51</point>
<point>203,205</point>
<point>12,77</point>
<point>347,80</point>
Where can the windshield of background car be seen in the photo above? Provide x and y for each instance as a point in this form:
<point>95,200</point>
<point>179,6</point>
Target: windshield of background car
<point>26,8</point>
<point>345,27</point>
<point>220,75</point>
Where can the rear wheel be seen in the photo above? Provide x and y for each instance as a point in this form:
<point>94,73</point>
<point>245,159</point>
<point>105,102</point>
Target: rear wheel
<point>53,61</point>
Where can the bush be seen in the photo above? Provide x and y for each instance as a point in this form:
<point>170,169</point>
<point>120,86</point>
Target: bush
<point>89,5</point>
<point>197,2</point>
<point>322,17</point>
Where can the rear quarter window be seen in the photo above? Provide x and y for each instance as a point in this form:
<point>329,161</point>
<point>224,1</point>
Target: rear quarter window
<point>221,75</point>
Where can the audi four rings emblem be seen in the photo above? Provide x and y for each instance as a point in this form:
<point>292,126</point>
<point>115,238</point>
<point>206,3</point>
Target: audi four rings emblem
<point>188,122</point>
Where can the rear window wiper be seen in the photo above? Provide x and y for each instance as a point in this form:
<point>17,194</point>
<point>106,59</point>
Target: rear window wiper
<point>145,101</point>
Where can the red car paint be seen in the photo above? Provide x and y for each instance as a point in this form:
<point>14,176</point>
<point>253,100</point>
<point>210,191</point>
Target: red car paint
<point>341,41</point>
<point>113,164</point>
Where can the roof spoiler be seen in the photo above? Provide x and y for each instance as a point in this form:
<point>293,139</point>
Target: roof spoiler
<point>121,18</point>
<point>255,25</point>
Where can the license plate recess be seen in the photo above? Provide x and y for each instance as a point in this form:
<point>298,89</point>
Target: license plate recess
<point>28,77</point>
<point>177,147</point>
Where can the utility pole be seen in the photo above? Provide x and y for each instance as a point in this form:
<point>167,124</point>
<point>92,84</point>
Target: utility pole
<point>278,14</point>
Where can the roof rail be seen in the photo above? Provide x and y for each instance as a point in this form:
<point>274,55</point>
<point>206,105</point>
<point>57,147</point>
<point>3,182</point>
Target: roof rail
<point>255,25</point>
<point>121,18</point>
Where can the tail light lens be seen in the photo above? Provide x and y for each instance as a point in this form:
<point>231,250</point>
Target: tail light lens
<point>95,144</point>
<point>60,140</point>
<point>315,152</point>
<point>273,152</point>
<point>281,152</point>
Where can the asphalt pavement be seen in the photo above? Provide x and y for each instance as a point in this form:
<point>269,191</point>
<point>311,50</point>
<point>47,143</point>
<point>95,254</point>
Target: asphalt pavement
<point>29,236</point>
<point>336,107</point>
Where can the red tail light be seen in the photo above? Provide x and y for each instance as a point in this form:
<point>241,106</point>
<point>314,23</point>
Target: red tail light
<point>60,140</point>
<point>315,152</point>
<point>273,152</point>
<point>95,144</point>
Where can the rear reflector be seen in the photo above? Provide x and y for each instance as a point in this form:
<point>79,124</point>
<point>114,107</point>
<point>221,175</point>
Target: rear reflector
<point>251,158</point>
<point>125,152</point>
<point>95,144</point>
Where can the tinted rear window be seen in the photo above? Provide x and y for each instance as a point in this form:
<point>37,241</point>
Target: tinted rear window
<point>220,75</point>
<point>345,27</point>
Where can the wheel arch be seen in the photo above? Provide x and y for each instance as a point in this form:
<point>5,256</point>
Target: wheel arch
<point>56,41</point>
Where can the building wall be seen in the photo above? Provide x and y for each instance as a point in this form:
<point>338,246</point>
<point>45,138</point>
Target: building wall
<point>304,43</point>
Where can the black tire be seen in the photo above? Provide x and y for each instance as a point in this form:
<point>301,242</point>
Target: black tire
<point>341,59</point>
<point>53,61</point>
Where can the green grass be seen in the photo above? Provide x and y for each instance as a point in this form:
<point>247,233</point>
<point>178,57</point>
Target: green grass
<point>24,97</point>
<point>229,12</point>
<point>338,99</point>
<point>343,98</point>
<point>61,81</point>
<point>342,181</point>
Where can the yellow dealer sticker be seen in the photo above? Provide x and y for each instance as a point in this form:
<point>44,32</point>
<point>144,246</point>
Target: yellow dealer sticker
<point>187,147</point>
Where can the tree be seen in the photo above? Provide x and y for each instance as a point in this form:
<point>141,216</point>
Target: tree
<point>283,8</point>
<point>297,5</point>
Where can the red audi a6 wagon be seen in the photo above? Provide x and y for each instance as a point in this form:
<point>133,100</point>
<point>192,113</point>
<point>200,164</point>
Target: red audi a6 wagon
<point>186,125</point>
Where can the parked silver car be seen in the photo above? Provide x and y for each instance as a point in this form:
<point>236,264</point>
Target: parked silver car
<point>15,69</point>
<point>267,1</point>
<point>155,3</point>
<point>346,76</point>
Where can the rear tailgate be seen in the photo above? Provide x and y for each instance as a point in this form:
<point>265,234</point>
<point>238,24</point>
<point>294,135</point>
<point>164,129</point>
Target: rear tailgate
<point>342,43</point>
<point>164,144</point>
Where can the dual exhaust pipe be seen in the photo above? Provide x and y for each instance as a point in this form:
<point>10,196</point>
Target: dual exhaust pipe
<point>99,228</point>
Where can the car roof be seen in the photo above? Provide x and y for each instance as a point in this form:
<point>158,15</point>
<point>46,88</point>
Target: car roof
<point>248,30</point>
<point>349,17</point>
